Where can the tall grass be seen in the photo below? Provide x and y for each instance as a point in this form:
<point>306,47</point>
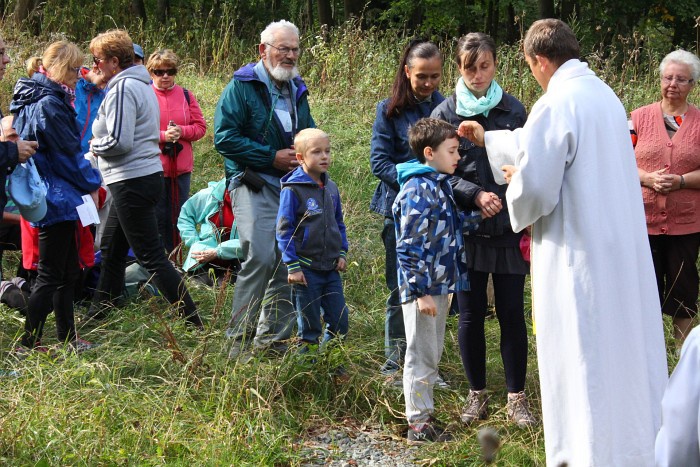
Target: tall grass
<point>156,394</point>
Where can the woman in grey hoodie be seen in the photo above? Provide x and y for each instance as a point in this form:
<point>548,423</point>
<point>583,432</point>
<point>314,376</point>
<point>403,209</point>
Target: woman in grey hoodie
<point>125,139</point>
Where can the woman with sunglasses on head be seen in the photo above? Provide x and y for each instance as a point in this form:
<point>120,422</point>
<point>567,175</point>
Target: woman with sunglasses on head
<point>414,95</point>
<point>181,123</point>
<point>493,249</point>
<point>666,136</point>
<point>43,108</point>
<point>125,140</point>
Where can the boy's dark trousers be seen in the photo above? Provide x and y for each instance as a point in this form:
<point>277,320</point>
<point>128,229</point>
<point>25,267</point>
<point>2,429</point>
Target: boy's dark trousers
<point>324,289</point>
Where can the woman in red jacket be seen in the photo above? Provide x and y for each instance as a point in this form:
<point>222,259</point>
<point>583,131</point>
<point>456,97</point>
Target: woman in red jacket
<point>181,123</point>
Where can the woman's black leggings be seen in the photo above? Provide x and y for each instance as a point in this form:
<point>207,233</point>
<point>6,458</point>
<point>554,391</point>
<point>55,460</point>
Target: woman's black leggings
<point>509,289</point>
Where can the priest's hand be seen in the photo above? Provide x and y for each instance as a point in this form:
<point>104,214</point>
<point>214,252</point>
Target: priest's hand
<point>472,131</point>
<point>508,171</point>
<point>489,203</point>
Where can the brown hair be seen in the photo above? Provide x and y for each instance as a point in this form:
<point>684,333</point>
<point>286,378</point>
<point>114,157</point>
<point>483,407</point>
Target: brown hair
<point>162,57</point>
<point>114,43</point>
<point>401,92</point>
<point>429,132</point>
<point>553,39</point>
<point>60,59</point>
<point>471,46</point>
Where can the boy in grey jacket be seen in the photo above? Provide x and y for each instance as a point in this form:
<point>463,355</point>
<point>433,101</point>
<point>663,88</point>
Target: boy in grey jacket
<point>311,237</point>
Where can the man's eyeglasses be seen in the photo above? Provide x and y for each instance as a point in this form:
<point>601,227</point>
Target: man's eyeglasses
<point>679,81</point>
<point>285,50</point>
<point>169,71</point>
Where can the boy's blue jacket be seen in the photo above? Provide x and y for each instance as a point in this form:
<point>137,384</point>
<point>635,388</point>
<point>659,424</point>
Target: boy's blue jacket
<point>43,113</point>
<point>310,226</point>
<point>429,243</point>
<point>389,146</point>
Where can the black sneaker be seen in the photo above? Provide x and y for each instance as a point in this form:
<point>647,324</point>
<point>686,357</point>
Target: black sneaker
<point>429,432</point>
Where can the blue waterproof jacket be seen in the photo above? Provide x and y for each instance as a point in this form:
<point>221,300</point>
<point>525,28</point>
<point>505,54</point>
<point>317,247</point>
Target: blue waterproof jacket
<point>88,98</point>
<point>246,130</point>
<point>43,113</point>
<point>310,226</point>
<point>389,146</point>
<point>430,249</point>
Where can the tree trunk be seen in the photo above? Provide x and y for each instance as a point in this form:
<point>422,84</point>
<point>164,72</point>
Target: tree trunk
<point>511,29</point>
<point>23,9</point>
<point>138,9</point>
<point>546,8</point>
<point>352,8</point>
<point>309,14</point>
<point>325,14</point>
<point>569,8</point>
<point>163,10</point>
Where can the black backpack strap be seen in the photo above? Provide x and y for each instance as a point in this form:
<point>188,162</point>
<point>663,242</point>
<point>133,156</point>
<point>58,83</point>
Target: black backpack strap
<point>187,95</point>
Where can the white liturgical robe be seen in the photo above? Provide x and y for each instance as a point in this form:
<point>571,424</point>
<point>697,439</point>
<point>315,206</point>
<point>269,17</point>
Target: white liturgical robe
<point>600,345</point>
<point>678,441</point>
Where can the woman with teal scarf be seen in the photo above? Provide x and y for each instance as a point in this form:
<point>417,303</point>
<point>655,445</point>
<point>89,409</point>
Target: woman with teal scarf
<point>493,249</point>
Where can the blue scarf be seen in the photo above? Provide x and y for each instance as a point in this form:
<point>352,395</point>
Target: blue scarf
<point>468,105</point>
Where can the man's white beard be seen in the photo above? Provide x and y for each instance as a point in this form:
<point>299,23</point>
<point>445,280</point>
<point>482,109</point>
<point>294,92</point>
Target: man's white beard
<point>282,74</point>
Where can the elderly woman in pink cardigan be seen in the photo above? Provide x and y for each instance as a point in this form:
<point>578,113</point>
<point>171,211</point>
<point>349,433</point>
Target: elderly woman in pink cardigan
<point>181,123</point>
<point>666,135</point>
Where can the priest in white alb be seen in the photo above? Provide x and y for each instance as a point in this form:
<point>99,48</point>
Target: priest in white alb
<point>573,177</point>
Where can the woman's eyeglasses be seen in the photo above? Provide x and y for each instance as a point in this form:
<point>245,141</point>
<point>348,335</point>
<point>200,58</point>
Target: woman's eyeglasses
<point>97,60</point>
<point>169,71</point>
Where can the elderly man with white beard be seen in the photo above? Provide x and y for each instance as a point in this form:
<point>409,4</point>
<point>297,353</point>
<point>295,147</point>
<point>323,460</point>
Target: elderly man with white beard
<point>257,116</point>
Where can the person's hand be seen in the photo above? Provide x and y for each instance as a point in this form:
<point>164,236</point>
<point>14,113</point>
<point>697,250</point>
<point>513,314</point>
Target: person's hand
<point>489,203</point>
<point>342,265</point>
<point>26,149</point>
<point>508,172</point>
<point>296,278</point>
<point>95,195</point>
<point>285,160</point>
<point>660,181</point>
<point>426,305</point>
<point>173,133</point>
<point>205,256</point>
<point>472,131</point>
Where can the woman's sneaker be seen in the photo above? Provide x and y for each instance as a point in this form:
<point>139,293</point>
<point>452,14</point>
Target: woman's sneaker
<point>21,352</point>
<point>519,410</point>
<point>476,408</point>
<point>430,432</point>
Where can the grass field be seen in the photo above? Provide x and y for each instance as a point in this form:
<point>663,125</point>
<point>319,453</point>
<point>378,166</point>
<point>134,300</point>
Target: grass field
<point>155,394</point>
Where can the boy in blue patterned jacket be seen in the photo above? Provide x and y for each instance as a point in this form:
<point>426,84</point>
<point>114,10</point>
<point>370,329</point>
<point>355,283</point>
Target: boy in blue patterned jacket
<point>431,264</point>
<point>311,237</point>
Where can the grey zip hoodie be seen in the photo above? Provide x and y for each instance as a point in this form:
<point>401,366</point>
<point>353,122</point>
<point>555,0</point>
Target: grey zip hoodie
<point>127,128</point>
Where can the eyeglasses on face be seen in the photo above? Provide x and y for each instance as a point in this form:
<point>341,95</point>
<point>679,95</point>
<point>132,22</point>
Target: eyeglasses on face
<point>285,50</point>
<point>98,60</point>
<point>169,71</point>
<point>77,69</point>
<point>679,81</point>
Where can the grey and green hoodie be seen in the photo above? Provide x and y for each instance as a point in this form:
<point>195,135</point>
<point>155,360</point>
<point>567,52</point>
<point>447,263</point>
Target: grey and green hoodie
<point>127,128</point>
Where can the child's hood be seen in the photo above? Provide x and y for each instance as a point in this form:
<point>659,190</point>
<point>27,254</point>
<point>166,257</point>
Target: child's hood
<point>299,177</point>
<point>410,169</point>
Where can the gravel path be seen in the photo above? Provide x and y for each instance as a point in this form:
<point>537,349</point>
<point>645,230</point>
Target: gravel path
<point>357,446</point>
